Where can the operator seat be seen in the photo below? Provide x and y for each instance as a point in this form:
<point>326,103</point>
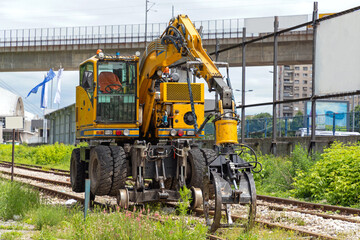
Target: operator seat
<point>108,78</point>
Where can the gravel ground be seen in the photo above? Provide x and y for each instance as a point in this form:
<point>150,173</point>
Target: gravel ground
<point>330,227</point>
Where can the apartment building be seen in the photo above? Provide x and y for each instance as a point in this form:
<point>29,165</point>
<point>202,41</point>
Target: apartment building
<point>295,81</point>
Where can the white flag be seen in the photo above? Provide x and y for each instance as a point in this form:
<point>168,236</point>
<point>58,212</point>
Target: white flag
<point>58,90</point>
<point>45,96</point>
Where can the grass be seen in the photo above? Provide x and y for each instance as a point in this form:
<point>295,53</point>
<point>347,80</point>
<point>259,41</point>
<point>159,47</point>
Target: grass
<point>16,199</point>
<point>11,235</point>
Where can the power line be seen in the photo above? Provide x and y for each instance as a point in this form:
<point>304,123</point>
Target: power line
<point>29,104</point>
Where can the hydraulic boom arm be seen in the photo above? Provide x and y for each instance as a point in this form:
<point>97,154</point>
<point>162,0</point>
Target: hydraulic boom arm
<point>181,40</point>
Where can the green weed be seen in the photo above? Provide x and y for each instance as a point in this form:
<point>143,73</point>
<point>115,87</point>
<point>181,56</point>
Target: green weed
<point>16,199</point>
<point>11,235</point>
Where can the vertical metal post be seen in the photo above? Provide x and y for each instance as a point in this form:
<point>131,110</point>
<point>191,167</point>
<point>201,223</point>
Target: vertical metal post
<point>313,101</point>
<point>274,127</point>
<point>13,156</point>
<point>334,124</point>
<point>353,113</point>
<point>247,128</point>
<point>146,11</point>
<point>243,87</point>
<point>286,126</point>
<point>265,127</point>
<point>307,126</point>
<point>87,197</point>
<point>217,50</point>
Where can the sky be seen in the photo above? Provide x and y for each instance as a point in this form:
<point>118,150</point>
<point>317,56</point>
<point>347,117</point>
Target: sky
<point>24,14</point>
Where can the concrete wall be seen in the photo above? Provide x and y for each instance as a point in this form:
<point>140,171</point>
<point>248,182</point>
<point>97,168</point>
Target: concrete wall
<point>286,144</point>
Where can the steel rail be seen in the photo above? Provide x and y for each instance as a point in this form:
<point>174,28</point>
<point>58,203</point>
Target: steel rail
<point>45,180</point>
<point>318,206</point>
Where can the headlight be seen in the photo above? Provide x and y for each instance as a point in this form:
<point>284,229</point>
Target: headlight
<point>126,132</point>
<point>173,132</point>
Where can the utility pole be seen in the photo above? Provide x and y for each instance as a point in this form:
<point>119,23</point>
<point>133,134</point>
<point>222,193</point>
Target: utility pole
<point>146,11</point>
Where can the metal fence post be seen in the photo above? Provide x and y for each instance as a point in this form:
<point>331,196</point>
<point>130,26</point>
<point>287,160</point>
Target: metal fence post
<point>286,126</point>
<point>334,124</point>
<point>265,127</point>
<point>243,87</point>
<point>247,128</point>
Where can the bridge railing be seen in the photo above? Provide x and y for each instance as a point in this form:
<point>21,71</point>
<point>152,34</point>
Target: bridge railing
<point>212,29</point>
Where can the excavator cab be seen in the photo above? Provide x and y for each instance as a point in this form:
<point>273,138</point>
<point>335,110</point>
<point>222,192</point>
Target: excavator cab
<point>106,98</point>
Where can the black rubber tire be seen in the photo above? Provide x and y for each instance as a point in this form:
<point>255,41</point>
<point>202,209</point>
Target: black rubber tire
<point>119,169</point>
<point>77,172</point>
<point>197,164</point>
<point>100,170</point>
<point>210,155</point>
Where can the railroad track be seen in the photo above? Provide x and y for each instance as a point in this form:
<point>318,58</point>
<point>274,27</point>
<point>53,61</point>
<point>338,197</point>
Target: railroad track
<point>306,205</point>
<point>270,199</point>
<point>36,168</point>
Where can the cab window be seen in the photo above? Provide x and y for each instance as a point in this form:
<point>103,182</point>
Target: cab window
<point>87,78</point>
<point>116,91</point>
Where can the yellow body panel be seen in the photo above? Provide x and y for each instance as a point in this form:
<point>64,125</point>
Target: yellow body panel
<point>179,92</point>
<point>84,109</point>
<point>226,131</point>
<point>182,109</point>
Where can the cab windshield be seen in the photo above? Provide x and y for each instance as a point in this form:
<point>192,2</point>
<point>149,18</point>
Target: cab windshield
<point>116,91</point>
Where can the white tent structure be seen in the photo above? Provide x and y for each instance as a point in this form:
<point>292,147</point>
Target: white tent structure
<point>12,105</point>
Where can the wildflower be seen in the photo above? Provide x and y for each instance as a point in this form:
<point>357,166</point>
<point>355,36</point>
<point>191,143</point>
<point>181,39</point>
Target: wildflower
<point>138,219</point>
<point>117,208</point>
<point>156,214</point>
<point>167,217</point>
<point>134,208</point>
<point>104,210</point>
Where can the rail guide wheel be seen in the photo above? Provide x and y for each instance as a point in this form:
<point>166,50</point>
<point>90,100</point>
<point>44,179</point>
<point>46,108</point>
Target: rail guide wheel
<point>122,198</point>
<point>225,196</point>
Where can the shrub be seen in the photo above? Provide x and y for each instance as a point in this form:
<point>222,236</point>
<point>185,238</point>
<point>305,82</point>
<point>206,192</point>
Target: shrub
<point>278,172</point>
<point>56,155</point>
<point>335,177</point>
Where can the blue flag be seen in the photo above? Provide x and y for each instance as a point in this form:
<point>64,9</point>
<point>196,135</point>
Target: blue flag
<point>48,77</point>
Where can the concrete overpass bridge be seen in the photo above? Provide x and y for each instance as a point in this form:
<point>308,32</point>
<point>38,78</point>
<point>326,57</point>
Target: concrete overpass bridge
<point>40,49</point>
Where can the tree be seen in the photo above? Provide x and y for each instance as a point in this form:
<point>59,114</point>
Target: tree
<point>258,124</point>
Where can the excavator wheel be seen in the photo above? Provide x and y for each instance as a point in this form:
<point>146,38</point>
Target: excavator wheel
<point>77,172</point>
<point>100,170</point>
<point>119,169</point>
<point>196,169</point>
<point>210,155</point>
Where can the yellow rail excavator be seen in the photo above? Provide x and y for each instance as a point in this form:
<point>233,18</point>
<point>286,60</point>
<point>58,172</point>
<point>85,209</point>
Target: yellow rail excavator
<point>140,121</point>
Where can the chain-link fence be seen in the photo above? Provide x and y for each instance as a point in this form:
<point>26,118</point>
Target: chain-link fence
<point>334,124</point>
